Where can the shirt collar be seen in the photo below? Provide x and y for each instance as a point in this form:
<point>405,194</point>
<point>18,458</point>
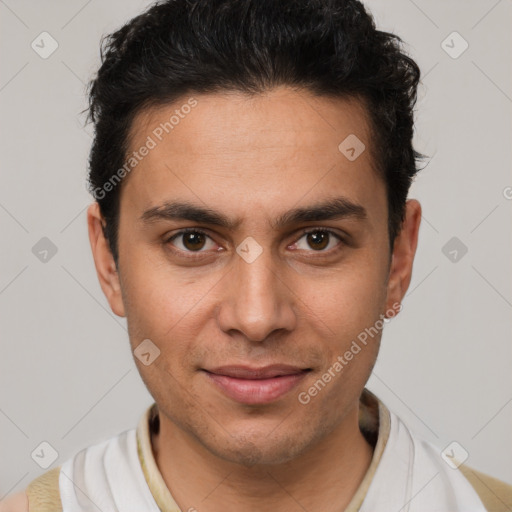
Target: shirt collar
<point>374,423</point>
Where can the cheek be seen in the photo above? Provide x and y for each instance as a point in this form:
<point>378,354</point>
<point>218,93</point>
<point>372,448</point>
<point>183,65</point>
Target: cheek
<point>158,296</point>
<point>349,329</point>
<point>348,299</point>
<point>168,307</point>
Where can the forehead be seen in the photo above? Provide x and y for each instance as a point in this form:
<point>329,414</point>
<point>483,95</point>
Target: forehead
<point>268,149</point>
<point>232,121</point>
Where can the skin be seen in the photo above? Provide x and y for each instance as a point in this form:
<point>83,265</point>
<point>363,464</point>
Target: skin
<point>301,302</point>
<point>15,503</point>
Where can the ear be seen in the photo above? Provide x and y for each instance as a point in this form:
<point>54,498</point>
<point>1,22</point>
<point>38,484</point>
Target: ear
<point>404,249</point>
<point>104,261</point>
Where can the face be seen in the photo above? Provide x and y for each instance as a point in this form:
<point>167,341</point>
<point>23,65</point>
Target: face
<point>285,261</point>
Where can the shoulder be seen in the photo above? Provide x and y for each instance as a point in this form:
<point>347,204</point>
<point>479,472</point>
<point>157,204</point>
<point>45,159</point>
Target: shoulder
<point>41,495</point>
<point>412,460</point>
<point>495,494</point>
<point>15,503</point>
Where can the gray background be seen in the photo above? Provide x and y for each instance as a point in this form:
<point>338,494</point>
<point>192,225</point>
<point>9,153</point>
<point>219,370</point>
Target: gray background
<point>67,376</point>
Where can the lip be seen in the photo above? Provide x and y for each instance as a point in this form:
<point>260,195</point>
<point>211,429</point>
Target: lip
<point>253,386</point>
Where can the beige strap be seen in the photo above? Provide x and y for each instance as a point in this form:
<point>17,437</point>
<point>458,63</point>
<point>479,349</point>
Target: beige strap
<point>374,418</point>
<point>495,494</point>
<point>43,492</point>
<point>149,423</point>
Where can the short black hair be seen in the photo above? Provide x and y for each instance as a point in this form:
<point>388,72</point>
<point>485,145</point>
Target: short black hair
<point>327,47</point>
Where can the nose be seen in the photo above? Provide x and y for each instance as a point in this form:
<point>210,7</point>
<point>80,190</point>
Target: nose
<point>256,300</point>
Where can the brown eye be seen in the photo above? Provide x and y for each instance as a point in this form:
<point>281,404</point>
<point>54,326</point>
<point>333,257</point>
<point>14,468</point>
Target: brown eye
<point>192,240</point>
<point>318,240</point>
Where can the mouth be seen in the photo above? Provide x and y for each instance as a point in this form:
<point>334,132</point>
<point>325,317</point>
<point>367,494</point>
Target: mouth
<point>254,386</point>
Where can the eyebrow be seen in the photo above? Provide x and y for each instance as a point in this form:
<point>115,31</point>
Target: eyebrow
<point>332,209</point>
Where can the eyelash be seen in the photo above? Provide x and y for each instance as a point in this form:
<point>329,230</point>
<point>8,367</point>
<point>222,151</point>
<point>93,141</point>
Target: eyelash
<point>196,254</point>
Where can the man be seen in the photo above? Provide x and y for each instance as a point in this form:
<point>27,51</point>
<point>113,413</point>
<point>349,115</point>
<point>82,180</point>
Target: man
<point>251,165</point>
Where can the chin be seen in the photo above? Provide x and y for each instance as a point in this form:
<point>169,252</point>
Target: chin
<point>261,448</point>
<point>250,454</point>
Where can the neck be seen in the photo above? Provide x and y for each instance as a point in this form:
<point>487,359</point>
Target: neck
<point>324,478</point>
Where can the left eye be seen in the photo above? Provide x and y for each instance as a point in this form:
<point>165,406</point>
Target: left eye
<point>318,240</point>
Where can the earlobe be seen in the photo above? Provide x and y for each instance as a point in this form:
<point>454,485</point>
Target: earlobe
<point>103,260</point>
<point>404,250</point>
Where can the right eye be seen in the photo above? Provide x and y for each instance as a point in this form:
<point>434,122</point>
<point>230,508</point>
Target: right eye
<point>190,240</point>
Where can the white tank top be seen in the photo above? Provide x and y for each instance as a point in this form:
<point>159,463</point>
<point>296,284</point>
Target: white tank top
<point>411,476</point>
